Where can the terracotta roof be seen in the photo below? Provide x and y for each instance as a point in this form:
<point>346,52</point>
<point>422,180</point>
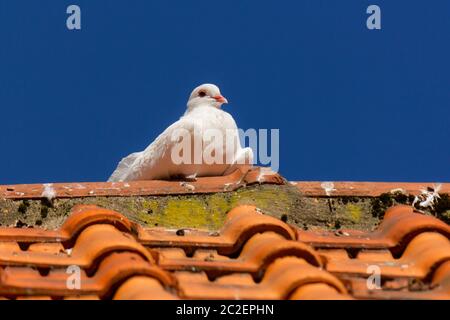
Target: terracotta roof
<point>135,188</point>
<point>252,254</point>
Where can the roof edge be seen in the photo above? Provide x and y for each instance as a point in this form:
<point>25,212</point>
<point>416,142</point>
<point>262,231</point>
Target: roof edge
<point>365,189</point>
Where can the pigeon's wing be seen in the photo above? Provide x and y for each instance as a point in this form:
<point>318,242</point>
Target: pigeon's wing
<point>154,161</point>
<point>123,167</point>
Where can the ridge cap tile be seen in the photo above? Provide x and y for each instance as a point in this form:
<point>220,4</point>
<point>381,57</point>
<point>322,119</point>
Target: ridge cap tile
<point>228,183</point>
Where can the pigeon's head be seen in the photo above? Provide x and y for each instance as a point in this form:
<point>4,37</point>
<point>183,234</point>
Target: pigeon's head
<point>206,95</point>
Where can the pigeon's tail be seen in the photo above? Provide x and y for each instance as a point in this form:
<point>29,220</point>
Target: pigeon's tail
<point>122,170</point>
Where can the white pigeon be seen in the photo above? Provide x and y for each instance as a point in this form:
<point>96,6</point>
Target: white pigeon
<point>203,114</point>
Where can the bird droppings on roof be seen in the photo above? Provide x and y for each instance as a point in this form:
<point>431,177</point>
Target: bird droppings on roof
<point>48,193</point>
<point>328,186</point>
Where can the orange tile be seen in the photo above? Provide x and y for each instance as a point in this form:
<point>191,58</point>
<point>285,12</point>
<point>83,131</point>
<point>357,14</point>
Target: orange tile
<point>423,253</point>
<point>318,291</point>
<point>256,255</point>
<point>112,271</point>
<point>400,225</point>
<point>281,278</point>
<point>142,288</point>
<point>228,183</point>
<point>94,242</point>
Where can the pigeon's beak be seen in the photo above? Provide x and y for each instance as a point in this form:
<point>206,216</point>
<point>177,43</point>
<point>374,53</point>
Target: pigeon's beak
<point>221,99</point>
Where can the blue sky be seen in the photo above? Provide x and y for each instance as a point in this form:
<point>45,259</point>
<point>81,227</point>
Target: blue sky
<point>350,103</point>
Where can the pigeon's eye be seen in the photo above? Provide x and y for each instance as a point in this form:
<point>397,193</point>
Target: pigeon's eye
<point>201,94</point>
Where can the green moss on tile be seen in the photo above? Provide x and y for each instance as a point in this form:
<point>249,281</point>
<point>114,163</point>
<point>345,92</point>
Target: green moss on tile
<point>206,210</point>
<point>354,212</point>
<point>188,212</point>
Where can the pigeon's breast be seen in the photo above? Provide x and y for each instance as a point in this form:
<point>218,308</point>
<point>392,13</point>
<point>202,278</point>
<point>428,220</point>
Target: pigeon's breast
<point>211,117</point>
<point>219,140</point>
